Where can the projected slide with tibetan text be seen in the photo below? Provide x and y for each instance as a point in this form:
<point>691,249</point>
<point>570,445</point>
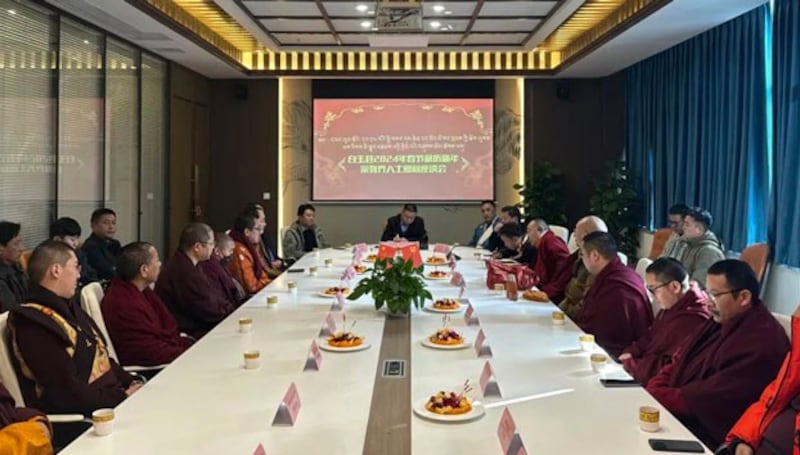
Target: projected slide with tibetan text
<point>403,150</point>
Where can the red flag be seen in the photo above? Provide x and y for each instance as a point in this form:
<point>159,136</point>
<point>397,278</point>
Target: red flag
<point>386,251</point>
<point>411,252</point>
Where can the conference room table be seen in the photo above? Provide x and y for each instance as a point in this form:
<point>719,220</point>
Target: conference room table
<point>205,402</point>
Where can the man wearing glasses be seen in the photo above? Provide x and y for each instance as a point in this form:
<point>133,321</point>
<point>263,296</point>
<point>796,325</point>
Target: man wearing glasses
<point>683,309</point>
<point>197,304</point>
<point>674,222</point>
<point>729,360</point>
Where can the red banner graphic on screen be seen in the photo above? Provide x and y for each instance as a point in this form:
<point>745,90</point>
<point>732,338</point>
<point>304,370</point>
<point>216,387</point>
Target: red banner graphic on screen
<point>403,149</point>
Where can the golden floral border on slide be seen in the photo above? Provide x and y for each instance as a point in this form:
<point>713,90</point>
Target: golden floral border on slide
<point>331,117</point>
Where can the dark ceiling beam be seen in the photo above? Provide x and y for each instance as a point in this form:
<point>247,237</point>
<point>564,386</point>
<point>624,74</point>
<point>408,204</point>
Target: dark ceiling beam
<point>475,13</point>
<point>327,18</point>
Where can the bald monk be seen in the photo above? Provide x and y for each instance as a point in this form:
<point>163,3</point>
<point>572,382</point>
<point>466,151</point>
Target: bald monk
<point>616,309</point>
<point>684,308</point>
<point>768,427</point>
<point>730,359</point>
<point>551,256</point>
<point>573,277</point>
<point>141,327</point>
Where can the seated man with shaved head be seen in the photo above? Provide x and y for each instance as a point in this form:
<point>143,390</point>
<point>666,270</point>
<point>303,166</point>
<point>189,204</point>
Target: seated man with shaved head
<point>63,362</point>
<point>616,309</point>
<point>144,332</point>
<point>573,277</point>
<point>552,256</point>
<point>197,303</point>
<point>684,308</point>
<point>728,361</point>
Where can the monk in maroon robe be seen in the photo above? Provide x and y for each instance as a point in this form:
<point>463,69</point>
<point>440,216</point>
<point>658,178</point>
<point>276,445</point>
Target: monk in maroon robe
<point>197,304</point>
<point>215,268</point>
<point>552,256</point>
<point>573,280</point>
<point>140,326</point>
<point>616,309</point>
<point>61,356</point>
<point>684,309</point>
<point>730,359</point>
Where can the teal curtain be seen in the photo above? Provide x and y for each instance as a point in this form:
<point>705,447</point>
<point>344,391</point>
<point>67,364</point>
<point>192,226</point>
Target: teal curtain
<point>785,216</point>
<point>696,128</point>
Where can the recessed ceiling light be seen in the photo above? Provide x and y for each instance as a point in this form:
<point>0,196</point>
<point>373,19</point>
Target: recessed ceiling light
<point>86,41</point>
<point>12,12</point>
<point>438,8</point>
<point>362,8</point>
<point>448,12</point>
<point>366,24</point>
<point>435,24</point>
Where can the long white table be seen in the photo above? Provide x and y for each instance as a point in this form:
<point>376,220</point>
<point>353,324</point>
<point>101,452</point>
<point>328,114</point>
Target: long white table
<point>206,403</point>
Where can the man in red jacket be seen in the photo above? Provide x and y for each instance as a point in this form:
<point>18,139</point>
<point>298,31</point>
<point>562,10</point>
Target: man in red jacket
<point>683,310</point>
<point>140,326</point>
<point>728,361</point>
<point>770,425</point>
<point>552,255</point>
<point>616,309</point>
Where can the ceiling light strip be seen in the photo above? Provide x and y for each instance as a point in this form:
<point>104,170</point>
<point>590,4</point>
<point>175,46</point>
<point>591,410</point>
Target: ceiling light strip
<point>224,38</point>
<point>631,10</point>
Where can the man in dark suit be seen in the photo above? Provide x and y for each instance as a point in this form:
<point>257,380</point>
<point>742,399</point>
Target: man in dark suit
<point>406,226</point>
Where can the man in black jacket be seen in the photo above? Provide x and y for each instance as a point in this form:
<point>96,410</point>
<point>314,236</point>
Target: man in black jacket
<point>101,248</point>
<point>406,226</point>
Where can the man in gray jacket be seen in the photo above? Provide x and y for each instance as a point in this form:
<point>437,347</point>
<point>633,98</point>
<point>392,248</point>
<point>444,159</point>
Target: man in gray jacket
<point>699,247</point>
<point>303,235</point>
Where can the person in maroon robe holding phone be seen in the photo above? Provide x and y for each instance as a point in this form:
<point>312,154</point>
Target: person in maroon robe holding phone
<point>140,326</point>
<point>616,309</point>
<point>552,256</point>
<point>730,359</point>
<point>684,308</point>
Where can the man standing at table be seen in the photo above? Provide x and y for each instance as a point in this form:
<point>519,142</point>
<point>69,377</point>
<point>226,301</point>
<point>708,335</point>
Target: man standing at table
<point>197,304</point>
<point>406,226</point>
<point>303,235</point>
<point>684,308</point>
<point>551,257</point>
<point>143,331</point>
<point>573,278</point>
<point>616,309</point>
<point>730,359</point>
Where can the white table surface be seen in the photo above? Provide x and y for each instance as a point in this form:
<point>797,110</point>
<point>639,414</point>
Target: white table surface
<point>206,403</point>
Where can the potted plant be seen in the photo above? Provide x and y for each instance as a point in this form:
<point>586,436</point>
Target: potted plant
<point>542,194</point>
<point>617,202</point>
<point>396,284</point>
